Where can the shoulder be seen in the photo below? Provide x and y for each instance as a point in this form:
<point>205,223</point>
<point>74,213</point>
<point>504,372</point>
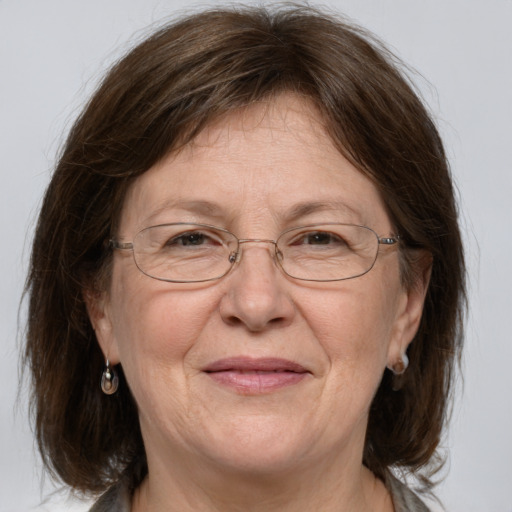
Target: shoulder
<point>404,500</point>
<point>116,499</point>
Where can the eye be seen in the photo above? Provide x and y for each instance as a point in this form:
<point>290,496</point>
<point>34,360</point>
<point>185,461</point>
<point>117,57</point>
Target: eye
<point>192,239</point>
<point>188,239</point>
<point>318,238</point>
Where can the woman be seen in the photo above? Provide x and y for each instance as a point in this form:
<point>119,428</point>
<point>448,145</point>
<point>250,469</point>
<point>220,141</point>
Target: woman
<point>251,240</point>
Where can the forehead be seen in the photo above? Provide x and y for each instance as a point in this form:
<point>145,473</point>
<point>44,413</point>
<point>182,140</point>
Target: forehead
<point>272,158</point>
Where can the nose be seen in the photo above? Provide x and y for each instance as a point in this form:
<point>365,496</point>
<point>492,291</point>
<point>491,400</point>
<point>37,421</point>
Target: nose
<point>256,295</point>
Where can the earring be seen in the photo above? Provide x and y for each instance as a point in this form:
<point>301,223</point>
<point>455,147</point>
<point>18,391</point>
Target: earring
<point>399,367</point>
<point>109,380</point>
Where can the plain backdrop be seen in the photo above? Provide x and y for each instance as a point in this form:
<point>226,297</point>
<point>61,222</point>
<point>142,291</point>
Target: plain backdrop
<point>52,52</point>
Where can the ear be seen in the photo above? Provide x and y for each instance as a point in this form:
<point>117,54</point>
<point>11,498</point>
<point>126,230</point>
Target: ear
<point>100,315</point>
<point>410,307</point>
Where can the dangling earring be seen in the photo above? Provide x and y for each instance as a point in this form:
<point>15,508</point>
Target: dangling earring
<point>109,380</point>
<point>399,367</point>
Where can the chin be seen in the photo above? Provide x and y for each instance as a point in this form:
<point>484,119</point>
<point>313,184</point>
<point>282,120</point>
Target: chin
<point>260,446</point>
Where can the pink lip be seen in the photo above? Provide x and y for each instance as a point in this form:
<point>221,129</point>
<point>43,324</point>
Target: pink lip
<point>255,376</point>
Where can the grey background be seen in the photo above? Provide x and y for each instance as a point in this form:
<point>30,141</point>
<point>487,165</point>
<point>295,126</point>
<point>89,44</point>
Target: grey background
<point>52,53</point>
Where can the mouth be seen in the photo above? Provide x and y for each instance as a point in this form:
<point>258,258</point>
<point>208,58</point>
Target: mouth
<point>256,376</point>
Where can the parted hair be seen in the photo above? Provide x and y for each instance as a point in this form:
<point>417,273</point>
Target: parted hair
<point>156,99</point>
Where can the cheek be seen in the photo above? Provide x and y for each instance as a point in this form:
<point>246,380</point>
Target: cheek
<point>353,324</point>
<point>155,328</point>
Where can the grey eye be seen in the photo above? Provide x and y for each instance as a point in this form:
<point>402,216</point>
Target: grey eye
<point>188,239</point>
<point>319,238</point>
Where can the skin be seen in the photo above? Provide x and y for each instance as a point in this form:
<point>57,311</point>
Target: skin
<point>209,446</point>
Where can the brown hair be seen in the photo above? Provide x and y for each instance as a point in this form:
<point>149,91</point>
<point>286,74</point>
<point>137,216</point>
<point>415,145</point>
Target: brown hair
<point>160,96</point>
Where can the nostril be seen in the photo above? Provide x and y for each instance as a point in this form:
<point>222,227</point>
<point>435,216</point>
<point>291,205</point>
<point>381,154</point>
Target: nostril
<point>233,320</point>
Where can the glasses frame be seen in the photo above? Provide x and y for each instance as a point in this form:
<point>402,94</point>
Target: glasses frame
<point>236,256</point>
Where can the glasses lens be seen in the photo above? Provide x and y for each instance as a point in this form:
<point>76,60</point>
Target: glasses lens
<point>328,252</point>
<point>184,252</point>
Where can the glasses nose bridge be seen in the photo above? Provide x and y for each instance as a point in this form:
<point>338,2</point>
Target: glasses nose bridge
<point>256,241</point>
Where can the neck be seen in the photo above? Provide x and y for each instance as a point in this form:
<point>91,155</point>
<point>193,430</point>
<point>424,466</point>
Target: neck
<point>325,487</point>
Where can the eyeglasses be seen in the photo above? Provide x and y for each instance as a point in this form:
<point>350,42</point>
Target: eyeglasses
<point>192,253</point>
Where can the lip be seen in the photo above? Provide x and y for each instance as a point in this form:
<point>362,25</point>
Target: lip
<point>254,376</point>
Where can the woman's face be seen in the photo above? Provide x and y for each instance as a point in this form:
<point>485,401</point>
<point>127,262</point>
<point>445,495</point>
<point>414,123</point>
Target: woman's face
<point>255,371</point>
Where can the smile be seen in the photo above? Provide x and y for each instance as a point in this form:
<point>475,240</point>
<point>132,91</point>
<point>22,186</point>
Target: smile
<point>256,376</point>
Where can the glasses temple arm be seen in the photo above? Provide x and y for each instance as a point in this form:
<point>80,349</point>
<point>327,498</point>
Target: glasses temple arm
<point>389,240</point>
<point>114,244</point>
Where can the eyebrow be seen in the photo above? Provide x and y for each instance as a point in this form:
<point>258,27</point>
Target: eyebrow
<point>309,207</point>
<point>296,212</point>
<point>201,207</point>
